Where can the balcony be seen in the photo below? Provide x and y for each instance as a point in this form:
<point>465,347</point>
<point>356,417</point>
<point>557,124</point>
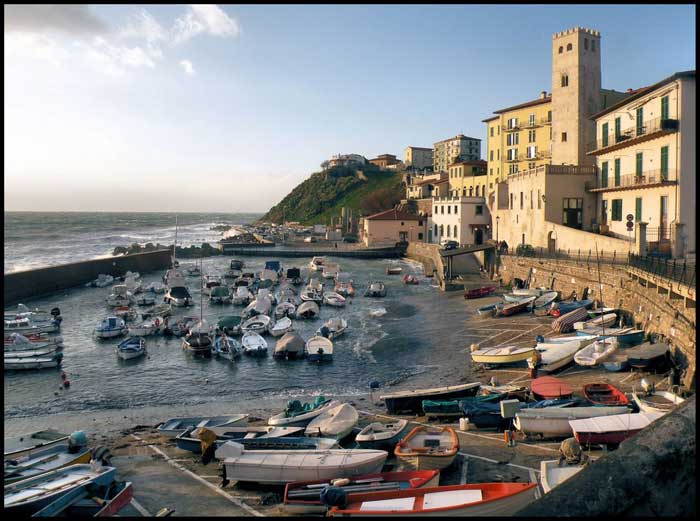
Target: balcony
<point>534,124</point>
<point>514,128</point>
<point>545,121</point>
<point>516,159</point>
<point>648,179</point>
<point>634,135</point>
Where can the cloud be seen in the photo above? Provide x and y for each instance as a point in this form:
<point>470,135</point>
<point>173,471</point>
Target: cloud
<point>70,18</point>
<point>205,18</point>
<point>187,66</point>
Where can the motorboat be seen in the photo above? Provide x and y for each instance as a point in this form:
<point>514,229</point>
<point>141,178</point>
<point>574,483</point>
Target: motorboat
<point>294,277</point>
<point>656,401</point>
<point>319,349</point>
<point>611,430</point>
<point>232,273</point>
<point>229,324</point>
<point>285,309</point>
<point>126,313</point>
<point>333,328</point>
<point>226,347</point>
<point>242,296</point>
<point>502,355</point>
<point>27,326</point>
<point>281,327</point>
<point>297,414</point>
<point>549,387</point>
<point>411,402</point>
<point>330,270</point>
<point>307,310</point>
<point>178,296</point>
<point>34,353</point>
<point>13,362</point>
<point>291,346</point>
<point>199,339</point>
<point>17,342</point>
<point>120,296</point>
<point>604,394</point>
<point>336,422</point>
<point>132,284</point>
<point>427,448</point>
<point>332,298</point>
<point>270,275</point>
<point>265,293</point>
<point>220,295</point>
<point>488,309</point>
<point>376,288</point>
<point>310,295</point>
<point>554,472</point>
<point>133,347</point>
<point>147,298</point>
<point>254,344</point>
<point>192,270</point>
<point>274,265</point>
<point>111,327</point>
<point>176,426</point>
<point>35,315</point>
<point>258,324</point>
<point>382,436</point>
<point>343,286</point>
<point>260,306</point>
<point>210,282</point>
<point>553,422</point>
<point>155,287</point>
<point>394,270</point>
<point>596,352</point>
<point>317,263</point>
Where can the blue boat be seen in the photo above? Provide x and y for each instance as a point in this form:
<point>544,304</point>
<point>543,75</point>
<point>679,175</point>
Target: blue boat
<point>626,336</point>
<point>186,441</point>
<point>484,310</point>
<point>132,347</point>
<point>274,266</point>
<point>565,306</point>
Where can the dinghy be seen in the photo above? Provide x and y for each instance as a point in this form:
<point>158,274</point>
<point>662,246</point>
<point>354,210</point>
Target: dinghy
<point>297,414</point>
<point>333,299</point>
<point>646,356</point>
<point>319,349</point>
<point>176,426</point>
<point>502,355</point>
<point>476,499</point>
<point>131,348</point>
<point>281,327</point>
<point>285,466</point>
<point>657,401</point>
<point>110,327</point>
<point>226,347</point>
<point>17,363</point>
<point>336,422</point>
<point>545,299</point>
<point>194,439</point>
<point>479,292</point>
<point>488,309</point>
<point>24,444</point>
<point>307,310</point>
<point>382,436</point>
<point>555,355</point>
<point>596,352</point>
<point>427,448</point>
<point>199,339</point>
<point>159,310</point>
<point>548,388</point>
<point>243,296</point>
<point>553,422</point>
<point>554,472</point>
<point>376,288</point>
<point>258,324</point>
<point>96,500</point>
<point>611,430</point>
<point>507,310</point>
<point>220,295</point>
<point>290,346</point>
<point>254,344</point>
<point>229,324</point>
<point>333,328</point>
<point>411,401</point>
<point>604,394</point>
<point>285,309</point>
<point>145,328</point>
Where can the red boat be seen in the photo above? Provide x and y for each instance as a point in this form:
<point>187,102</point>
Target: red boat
<point>611,430</point>
<point>409,279</point>
<point>549,388</point>
<point>604,394</point>
<point>479,292</point>
<point>515,307</point>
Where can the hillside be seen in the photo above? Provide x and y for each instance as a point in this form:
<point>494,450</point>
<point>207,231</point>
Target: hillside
<point>322,195</point>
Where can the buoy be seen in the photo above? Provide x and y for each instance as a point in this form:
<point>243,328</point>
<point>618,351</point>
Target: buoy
<point>66,383</point>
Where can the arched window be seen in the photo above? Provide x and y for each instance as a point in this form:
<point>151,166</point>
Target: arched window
<point>569,46</point>
<point>561,49</point>
<point>477,191</point>
<point>455,236</point>
<point>564,80</point>
<point>470,191</point>
<point>464,191</point>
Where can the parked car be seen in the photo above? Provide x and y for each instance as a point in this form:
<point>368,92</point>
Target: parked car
<point>450,245</point>
<point>310,239</point>
<point>350,239</point>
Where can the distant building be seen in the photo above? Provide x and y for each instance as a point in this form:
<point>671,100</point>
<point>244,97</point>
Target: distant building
<point>460,147</point>
<point>391,226</point>
<point>467,179</point>
<point>434,185</point>
<point>418,158</point>
<point>344,160</point>
<point>462,219</point>
<point>385,160</point>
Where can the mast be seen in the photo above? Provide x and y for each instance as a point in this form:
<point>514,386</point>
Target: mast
<point>175,245</point>
<point>600,289</point>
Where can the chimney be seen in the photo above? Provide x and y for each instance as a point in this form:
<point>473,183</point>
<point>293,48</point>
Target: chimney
<point>543,94</point>
<point>629,90</point>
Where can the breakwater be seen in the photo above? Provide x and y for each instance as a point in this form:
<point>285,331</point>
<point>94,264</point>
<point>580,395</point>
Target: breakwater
<point>22,285</point>
<point>373,253</point>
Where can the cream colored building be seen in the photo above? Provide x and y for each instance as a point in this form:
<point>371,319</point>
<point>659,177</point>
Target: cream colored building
<point>391,226</point>
<point>467,179</point>
<point>418,158</point>
<point>462,219</point>
<point>421,187</point>
<point>645,155</point>
<point>460,147</point>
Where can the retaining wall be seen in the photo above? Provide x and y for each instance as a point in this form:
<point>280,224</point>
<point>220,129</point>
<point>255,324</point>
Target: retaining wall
<point>22,285</point>
<point>428,255</point>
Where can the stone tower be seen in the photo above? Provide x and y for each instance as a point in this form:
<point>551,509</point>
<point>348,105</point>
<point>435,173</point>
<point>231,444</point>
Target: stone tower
<point>575,95</point>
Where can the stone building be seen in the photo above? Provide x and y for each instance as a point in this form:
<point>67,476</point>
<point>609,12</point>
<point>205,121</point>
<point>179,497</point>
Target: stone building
<point>418,158</point>
<point>460,147</point>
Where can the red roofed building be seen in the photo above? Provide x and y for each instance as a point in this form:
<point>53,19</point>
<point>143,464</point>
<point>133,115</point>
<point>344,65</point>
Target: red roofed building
<point>391,226</point>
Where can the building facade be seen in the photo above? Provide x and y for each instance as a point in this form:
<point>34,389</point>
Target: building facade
<point>418,158</point>
<point>385,160</point>
<point>344,160</point>
<point>458,148</point>
<point>462,219</point>
<point>391,226</point>
<point>467,179</point>
<point>422,187</point>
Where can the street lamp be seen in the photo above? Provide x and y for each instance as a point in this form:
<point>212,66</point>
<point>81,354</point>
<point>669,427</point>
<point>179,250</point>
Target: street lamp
<point>497,219</point>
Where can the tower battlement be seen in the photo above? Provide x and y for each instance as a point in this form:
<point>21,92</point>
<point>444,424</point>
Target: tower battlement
<point>591,32</point>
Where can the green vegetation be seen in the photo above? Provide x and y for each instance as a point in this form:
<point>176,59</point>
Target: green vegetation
<point>366,190</point>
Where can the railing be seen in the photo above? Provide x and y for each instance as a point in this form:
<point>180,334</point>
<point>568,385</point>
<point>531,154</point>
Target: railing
<point>681,272</point>
<point>545,121</point>
<point>580,255</point>
<point>513,160</point>
<point>536,123</point>
<point>512,129</point>
<point>649,127</point>
<point>648,177</point>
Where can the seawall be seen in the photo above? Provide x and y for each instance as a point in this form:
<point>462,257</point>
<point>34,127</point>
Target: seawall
<point>373,253</point>
<point>21,285</point>
<point>429,256</point>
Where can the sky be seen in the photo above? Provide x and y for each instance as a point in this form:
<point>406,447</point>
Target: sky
<point>226,108</point>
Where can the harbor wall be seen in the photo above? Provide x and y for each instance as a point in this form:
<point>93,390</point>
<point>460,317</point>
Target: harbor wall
<point>429,256</point>
<point>649,307</point>
<point>650,474</point>
<point>371,253</point>
<point>21,285</point>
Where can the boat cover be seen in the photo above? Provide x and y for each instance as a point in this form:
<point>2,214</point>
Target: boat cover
<point>295,407</point>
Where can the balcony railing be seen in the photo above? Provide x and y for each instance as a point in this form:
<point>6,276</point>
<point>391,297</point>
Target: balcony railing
<point>545,121</point>
<point>514,159</point>
<point>629,181</point>
<point>533,124</point>
<point>512,129</point>
<point>634,134</point>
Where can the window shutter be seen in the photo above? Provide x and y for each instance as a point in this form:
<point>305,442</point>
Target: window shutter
<point>617,172</point>
<point>664,163</point>
<point>638,209</point>
<point>604,174</point>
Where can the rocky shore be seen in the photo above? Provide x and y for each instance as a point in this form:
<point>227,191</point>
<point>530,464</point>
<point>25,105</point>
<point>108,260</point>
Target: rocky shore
<point>188,252</point>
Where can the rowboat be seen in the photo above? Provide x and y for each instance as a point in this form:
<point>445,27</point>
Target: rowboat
<point>554,421</point>
<point>334,299</point>
<point>510,297</point>
<point>19,342</point>
<point>159,310</point>
<point>260,306</point>
<point>600,321</point>
<point>376,288</point>
<point>258,324</point>
<point>199,339</point>
<point>647,355</point>
<point>307,309</point>
<point>657,401</point>
<point>285,466</point>
<point>242,296</point>
<point>567,306</point>
<point>502,355</point>
<point>145,328</point>
<point>133,347</point>
<point>625,336</point>
<point>92,501</point>
<point>26,443</point>
<point>553,472</point>
<point>333,328</point>
<point>146,299</point>
<point>16,363</point>
<point>617,361</point>
<point>290,346</point>
<point>549,387</point>
<point>336,422</point>
<point>285,309</point>
<point>487,309</point>
<point>545,299</point>
<point>26,464</point>
<point>176,426</point>
<point>555,355</point>
<point>317,263</point>
<point>195,438</point>
<point>475,499</point>
<point>381,436</point>
<point>254,344</point>
<point>528,292</point>
<point>514,307</point>
<point>330,270</point>
<point>426,448</point>
<point>343,286</point>
<point>479,292</point>
<point>297,414</point>
<point>226,347</point>
<point>565,322</point>
<point>319,349</point>
<point>229,324</point>
<point>604,394</point>
<point>411,401</point>
<point>282,326</point>
<point>611,430</point>
<point>596,352</point>
<point>395,270</point>
<point>304,497</point>
<point>31,354</point>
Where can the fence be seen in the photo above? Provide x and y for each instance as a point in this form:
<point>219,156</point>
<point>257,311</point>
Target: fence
<point>579,255</point>
<point>677,271</point>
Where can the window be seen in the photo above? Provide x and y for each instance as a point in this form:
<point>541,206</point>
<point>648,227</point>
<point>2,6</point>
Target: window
<point>592,45</point>
<point>455,209</point>
<point>539,200</point>
<point>442,230</point>
<point>420,236</point>
<point>464,191</point>
<point>455,231</point>
<point>569,46</point>
<point>477,191</point>
<point>490,171</point>
<point>604,131</point>
<point>549,116</point>
<point>491,156</point>
<point>564,80</point>
<point>448,209</point>
<point>531,136</point>
<point>531,165</point>
<point>532,151</point>
<point>436,230</point>
<point>531,119</point>
<point>436,211</point>
<point>512,139</point>
<point>491,131</point>
<point>478,210</point>
<point>604,174</point>
<point>617,172</point>
<point>561,49</point>
<point>618,129</point>
<point>638,209</point>
<point>420,222</point>
<point>511,201</point>
<point>512,154</point>
<point>664,107</point>
<point>563,137</point>
<point>498,154</point>
<point>640,120</point>
<point>448,230</point>
<point>617,209</point>
<point>639,163</point>
<point>401,223</point>
<point>471,188</point>
<point>585,43</point>
<point>521,200</point>
<point>664,163</point>
<point>573,212</point>
<point>442,208</point>
<point>512,122</point>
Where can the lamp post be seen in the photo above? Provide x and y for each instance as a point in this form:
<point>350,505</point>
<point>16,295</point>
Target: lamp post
<point>497,219</point>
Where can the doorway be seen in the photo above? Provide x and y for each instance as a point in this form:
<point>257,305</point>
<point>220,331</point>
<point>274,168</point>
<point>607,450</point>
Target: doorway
<point>478,236</point>
<point>551,243</point>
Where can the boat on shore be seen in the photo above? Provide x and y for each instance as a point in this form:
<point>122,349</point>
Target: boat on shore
<point>291,346</point>
<point>506,310</point>
<point>25,444</point>
<point>553,422</point>
<point>427,448</point>
<point>297,414</point>
<point>488,309</point>
<point>648,355</point>
<point>616,362</point>
<point>483,291</point>
<point>382,436</point>
<point>545,299</point>
<point>563,307</point>
<point>501,355</point>
<point>611,430</point>
<point>625,336</point>
<point>550,388</point>
<point>194,439</point>
<point>600,321</point>
<point>412,401</point>
<point>99,500</point>
<point>604,394</point>
<point>657,401</point>
<point>175,426</point>
<point>554,472</point>
<point>336,422</point>
<point>596,352</point>
<point>565,322</point>
<point>555,355</point>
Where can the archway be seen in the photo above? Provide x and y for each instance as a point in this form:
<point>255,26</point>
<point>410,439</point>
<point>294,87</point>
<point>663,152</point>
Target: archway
<point>478,236</point>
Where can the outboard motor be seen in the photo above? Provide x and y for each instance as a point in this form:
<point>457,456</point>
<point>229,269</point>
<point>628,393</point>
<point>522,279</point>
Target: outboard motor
<point>76,441</point>
<point>334,497</point>
<point>56,314</point>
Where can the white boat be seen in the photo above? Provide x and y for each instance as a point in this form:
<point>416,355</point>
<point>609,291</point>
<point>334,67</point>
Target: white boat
<point>376,288</point>
<point>102,281</point>
<point>232,273</point>
<point>553,472</point>
<point>611,430</point>
<point>317,263</point>
<point>336,422</point>
<point>315,285</point>
<point>428,448</point>
<point>177,293</point>
<point>285,466</point>
<point>657,401</point>
<point>298,415</point>
<point>333,328</point>
<point>226,347</point>
<point>192,270</point>
<point>176,426</point>
<point>290,346</point>
<point>319,348</point>
<point>343,286</point>
<point>147,298</point>
<point>35,315</point>
<point>131,348</point>
<point>159,310</point>
<point>529,292</point>
<point>556,355</point>
<point>220,295</point>
<point>596,352</point>
<point>307,310</point>
<point>25,444</point>
<point>155,287</point>
<point>285,309</point>
<point>132,284</point>
<point>502,355</point>
<point>210,282</point>
<point>243,296</point>
<point>580,340</point>
<point>146,328</point>
<point>13,363</point>
<point>334,299</point>
<point>554,421</point>
<point>19,342</point>
<point>309,295</point>
<point>600,321</point>
<point>281,327</point>
<point>120,296</point>
<point>260,306</point>
<point>27,326</point>
<point>266,293</point>
<point>110,327</point>
<point>269,275</point>
<point>379,435</point>
<point>258,324</point>
<point>43,352</point>
<point>254,344</point>
<point>330,270</point>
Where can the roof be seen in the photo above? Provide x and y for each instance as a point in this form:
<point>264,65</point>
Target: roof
<point>538,101</point>
<point>478,162</point>
<point>392,215</point>
<point>489,119</point>
<point>459,136</point>
<point>443,179</point>
<point>419,148</point>
<point>643,91</point>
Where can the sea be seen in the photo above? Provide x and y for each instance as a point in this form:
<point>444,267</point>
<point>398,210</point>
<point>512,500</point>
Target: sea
<point>415,337</point>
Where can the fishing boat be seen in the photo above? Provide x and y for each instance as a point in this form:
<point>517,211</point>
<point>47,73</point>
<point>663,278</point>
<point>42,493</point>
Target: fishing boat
<point>332,298</point>
<point>307,310</point>
<point>27,326</point>
<point>553,422</point>
<point>126,313</point>
<point>285,466</point>
<point>427,448</point>
<point>243,296</point>
<point>220,295</point>
<point>483,291</point>
<point>285,309</point>
<point>229,324</point>
<point>554,472</point>
<point>382,436</point>
<point>258,324</point>
<point>210,282</point>
<point>343,286</point>
<point>282,326</point>
<point>274,265</point>
<point>132,284</point>
<point>317,263</point>
<point>648,355</point>
<point>376,288</point>
<point>336,422</point>
<point>567,306</point>
<point>120,296</point>
<point>330,270</point>
<point>506,310</point>
<point>290,346</point>
<point>92,501</point>
<point>545,299</point>
<point>199,339</point>
<point>293,275</point>
<point>611,430</point>
<point>502,355</point>
<point>176,426</point>
<point>412,401</point>
<point>260,306</point>
<point>555,355</point>
<point>193,439</point>
<point>297,414</point>
<point>304,497</point>
<point>393,270</point>
<point>133,347</point>
<point>409,278</point>
<point>319,349</point>
<point>657,401</point>
<point>599,321</point>
<point>596,352</point>
<point>476,499</point>
<point>25,444</point>
<point>549,387</point>
<point>19,342</point>
<point>32,354</point>
<point>182,326</point>
<point>333,328</point>
<point>110,327</point>
<point>35,315</point>
<point>254,344</point>
<point>226,347</point>
<point>604,394</point>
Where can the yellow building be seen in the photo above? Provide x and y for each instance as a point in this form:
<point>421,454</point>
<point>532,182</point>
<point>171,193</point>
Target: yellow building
<point>468,179</point>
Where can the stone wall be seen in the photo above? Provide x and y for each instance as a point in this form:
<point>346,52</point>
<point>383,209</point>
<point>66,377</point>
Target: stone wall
<point>429,256</point>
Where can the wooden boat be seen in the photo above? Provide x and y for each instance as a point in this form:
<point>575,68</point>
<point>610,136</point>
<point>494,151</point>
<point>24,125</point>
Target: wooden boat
<point>176,426</point>
<point>290,346</point>
<point>110,327</point>
<point>554,473</point>
<point>192,439</point>
<point>285,466</point>
<point>625,336</point>
<point>26,443</point>
<point>647,355</point>
<point>92,501</point>
<point>336,422</point>
<point>382,436</point>
<point>319,349</point>
<point>333,328</point>
<point>334,299</point>
<point>476,499</point>
<point>411,401</point>
<point>567,306</point>
<point>410,279</point>
<point>146,328</point>
<point>616,362</point>
<point>548,387</point>
<point>565,322</point>
<point>604,394</point>
<point>555,355</point>
<point>26,464</point>
<point>510,297</point>
<point>304,497</point>
<point>507,310</point>
<point>426,448</point>
<point>254,344</point>
<point>502,355</point>
<point>596,352</point>
<point>376,288</point>
<point>599,321</point>
<point>611,430</point>
<point>258,324</point>
<point>226,347</point>
<point>229,324</point>
<point>657,401</point>
<point>131,348</point>
<point>281,327</point>
<point>308,309</point>
<point>479,292</point>
<point>554,421</point>
<point>30,495</point>
<point>17,363</point>
<point>545,299</point>
<point>511,391</point>
<point>297,414</point>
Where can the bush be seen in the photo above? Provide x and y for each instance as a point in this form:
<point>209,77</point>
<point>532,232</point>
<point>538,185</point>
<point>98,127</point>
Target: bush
<point>525,250</point>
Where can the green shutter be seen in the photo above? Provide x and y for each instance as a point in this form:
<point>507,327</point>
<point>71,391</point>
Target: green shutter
<point>605,134</point>
<point>638,209</point>
<point>618,129</point>
<point>640,162</point>
<point>617,172</point>
<point>664,162</point>
<point>664,107</point>
<point>617,209</point>
<point>604,175</point>
<point>640,120</point>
